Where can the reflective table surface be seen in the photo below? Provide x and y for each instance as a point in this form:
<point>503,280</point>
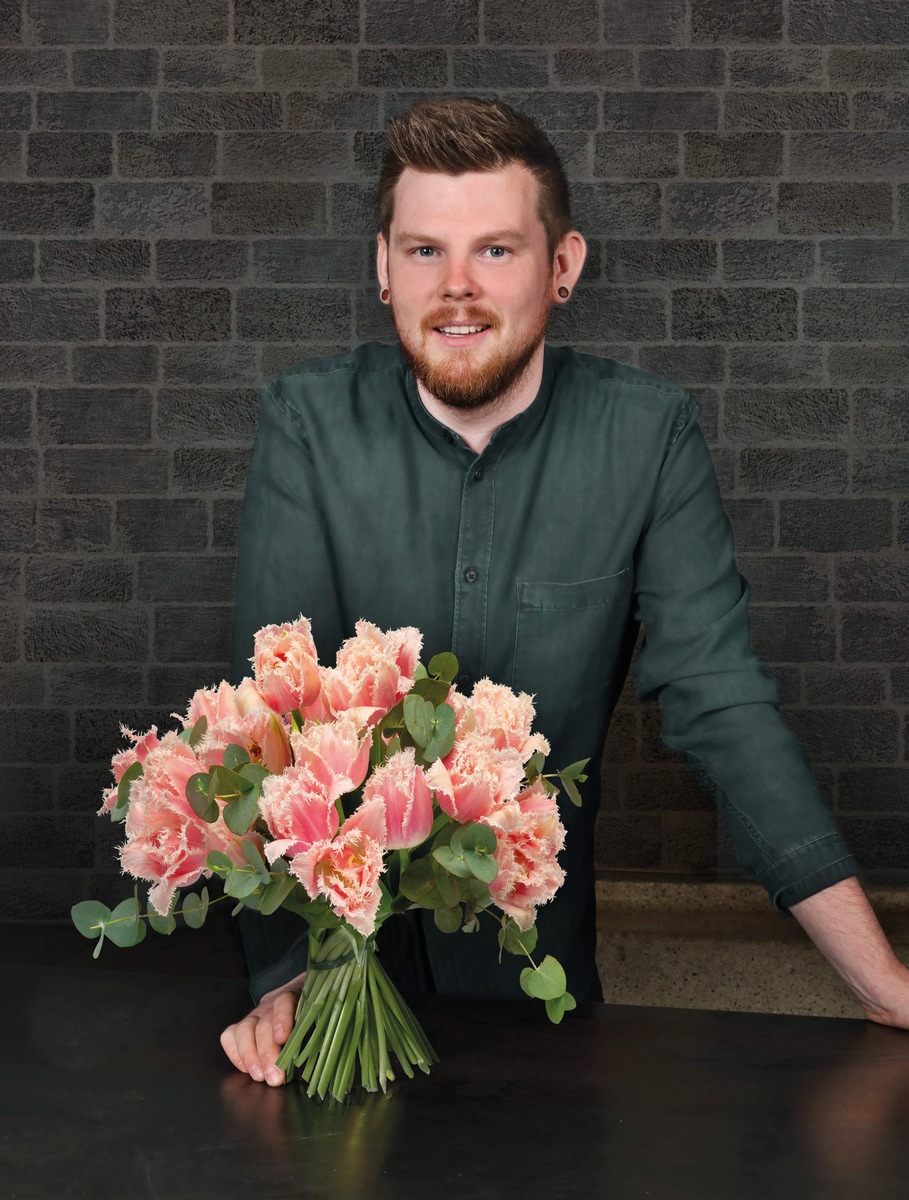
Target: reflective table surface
<point>115,1087</point>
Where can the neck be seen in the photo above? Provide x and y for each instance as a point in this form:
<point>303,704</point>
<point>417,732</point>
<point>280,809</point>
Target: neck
<point>476,426</point>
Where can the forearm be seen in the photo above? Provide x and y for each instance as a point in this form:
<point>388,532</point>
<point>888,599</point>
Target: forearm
<point>841,923</point>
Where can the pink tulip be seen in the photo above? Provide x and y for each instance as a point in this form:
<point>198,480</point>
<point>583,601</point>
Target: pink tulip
<point>506,717</point>
<point>335,753</point>
<point>373,671</point>
<point>475,778</point>
<point>402,789</point>
<point>120,763</point>
<point>346,871</point>
<point>529,835</point>
<point>286,665</point>
<point>298,811</point>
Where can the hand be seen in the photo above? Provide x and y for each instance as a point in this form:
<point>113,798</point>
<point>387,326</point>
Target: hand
<point>254,1043</point>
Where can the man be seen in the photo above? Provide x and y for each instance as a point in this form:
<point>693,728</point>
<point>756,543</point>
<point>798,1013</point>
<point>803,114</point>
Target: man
<point>529,508</point>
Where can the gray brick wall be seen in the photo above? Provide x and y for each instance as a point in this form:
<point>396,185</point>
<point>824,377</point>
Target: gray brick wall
<point>185,209</point>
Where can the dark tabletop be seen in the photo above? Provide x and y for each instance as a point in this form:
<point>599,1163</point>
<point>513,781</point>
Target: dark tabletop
<point>114,1087</point>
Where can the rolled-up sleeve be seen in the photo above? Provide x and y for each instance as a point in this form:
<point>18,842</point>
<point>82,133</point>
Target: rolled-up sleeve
<point>719,708</point>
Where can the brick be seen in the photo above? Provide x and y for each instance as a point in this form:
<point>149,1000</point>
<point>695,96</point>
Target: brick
<point>787,110</point>
<point>284,155</point>
<point>182,314</point>
<point>115,364</point>
<point>33,68</point>
<point>332,110</point>
<point>725,21</point>
<point>10,21</point>
<point>867,578</point>
<point>874,789</point>
<point>284,21</point>
<point>863,66</point>
<point>598,314</point>
<point>17,526</point>
<point>209,68</point>
<point>74,260</point>
<point>98,734</point>
<point>56,841</point>
<point>835,208</point>
<point>629,841</point>
<point>153,525</point>
<point>660,110</point>
<point>653,260</point>
<point>854,363</point>
<point>17,260</point>
<point>902,531</point>
<point>796,415</point>
<point>779,262</point>
<point>80,581</point>
<point>617,209</point>
<point>656,789</point>
<point>310,67</point>
<point>829,526</point>
<point>172,685</point>
<point>67,526</point>
<point>115,68</point>
<point>881,110</point>
<point>46,895</point>
<point>720,207</point>
<point>11,158</point>
<point>197,633</point>
<point>552,110</point>
<point>847,735</point>
<point>284,312</point>
<point>15,415</point>
<point>21,687</point>
<point>94,110</point>
<point>660,23</point>
<point>170,22</point>
<point>763,68</point>
<point>865,260</point>
<point>10,579</point>
<point>72,155</point>
<point>15,110</point>
<point>86,634</point>
<point>403,68</point>
<point>308,260</point>
<point>268,208</point>
<point>32,364</point>
<point>865,686</point>
<point>734,314</point>
<point>685,364</point>
<point>9,633</point>
<point>19,471</point>
<point>219,110</point>
<point>202,260</point>
<point>189,579</point>
<point>881,416</point>
<point>682,68</point>
<point>877,21</point>
<point>900,684</point>
<point>723,155</point>
<point>81,21</point>
<point>789,578</point>
<point>849,155</point>
<point>752,522</point>
<point>225,523</point>
<point>636,154</point>
<point>207,414</point>
<point>282,356</point>
<point>46,207</point>
<point>83,416</point>
<point>880,471</point>
<point>209,365</point>
<point>813,471</point>
<point>509,68</point>
<point>875,634</point>
<point>203,470</point>
<point>111,685</point>
<point>45,314</point>
<point>153,208</point>
<point>834,314</point>
<point>119,472</point>
<point>160,155</point>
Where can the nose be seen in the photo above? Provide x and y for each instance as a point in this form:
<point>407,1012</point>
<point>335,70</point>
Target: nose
<point>457,282</point>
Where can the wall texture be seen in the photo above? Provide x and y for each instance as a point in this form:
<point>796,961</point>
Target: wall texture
<point>186,208</point>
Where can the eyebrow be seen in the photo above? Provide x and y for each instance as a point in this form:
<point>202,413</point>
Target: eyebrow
<point>497,235</point>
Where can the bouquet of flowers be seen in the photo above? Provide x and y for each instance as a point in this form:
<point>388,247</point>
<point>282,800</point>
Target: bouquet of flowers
<point>345,794</point>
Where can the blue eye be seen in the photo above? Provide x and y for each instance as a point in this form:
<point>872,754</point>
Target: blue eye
<point>424,251</point>
<point>497,251</point>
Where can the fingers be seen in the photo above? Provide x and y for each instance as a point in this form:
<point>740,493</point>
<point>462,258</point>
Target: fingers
<point>253,1044</point>
<point>268,1050</point>
<point>246,1043</point>
<point>284,1010</point>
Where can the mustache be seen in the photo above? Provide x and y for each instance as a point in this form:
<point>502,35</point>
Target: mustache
<point>469,315</point>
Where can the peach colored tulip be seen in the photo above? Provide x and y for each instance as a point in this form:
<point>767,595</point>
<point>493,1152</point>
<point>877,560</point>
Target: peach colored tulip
<point>529,835</point>
<point>142,744</point>
<point>373,671</point>
<point>335,752</point>
<point>286,665</point>
<point>346,871</point>
<point>475,778</point>
<point>506,717</point>
<point>298,811</point>
<point>402,789</point>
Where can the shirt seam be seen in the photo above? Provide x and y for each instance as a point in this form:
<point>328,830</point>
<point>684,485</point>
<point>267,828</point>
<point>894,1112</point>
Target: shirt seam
<point>790,855</point>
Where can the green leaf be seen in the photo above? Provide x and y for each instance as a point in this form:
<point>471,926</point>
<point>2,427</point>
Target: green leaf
<point>535,765</point>
<point>131,773</point>
<point>559,1006</point>
<point>418,715</point>
<point>200,794</point>
<point>448,920</point>
<point>442,730</point>
<point>256,861</point>
<point>90,917</point>
<point>545,982</point>
<point>571,790</point>
<point>576,770</point>
<point>161,924</point>
<point>275,894</point>
<point>198,731</point>
<point>419,671</point>
<point>241,882</point>
<point>434,690</point>
<point>240,814</point>
<point>195,909</point>
<point>419,884</point>
<point>124,927</point>
<point>390,749</point>
<point>254,773</point>
<point>219,863</point>
<point>517,941</point>
<point>475,843</point>
<point>449,884</point>
<point>230,784</point>
<point>444,666</point>
<point>235,756</point>
<point>456,864</point>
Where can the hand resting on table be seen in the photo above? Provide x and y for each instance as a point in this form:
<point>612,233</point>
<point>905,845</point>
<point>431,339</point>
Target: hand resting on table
<point>254,1043</point>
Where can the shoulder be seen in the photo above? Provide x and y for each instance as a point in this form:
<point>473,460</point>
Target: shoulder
<point>336,377</point>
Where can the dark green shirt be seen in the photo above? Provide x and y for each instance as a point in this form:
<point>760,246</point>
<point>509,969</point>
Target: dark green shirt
<point>594,511</point>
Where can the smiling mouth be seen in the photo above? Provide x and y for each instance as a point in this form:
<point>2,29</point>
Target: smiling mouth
<point>460,330</point>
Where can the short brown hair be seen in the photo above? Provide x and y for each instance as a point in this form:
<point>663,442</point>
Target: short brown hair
<point>454,136</point>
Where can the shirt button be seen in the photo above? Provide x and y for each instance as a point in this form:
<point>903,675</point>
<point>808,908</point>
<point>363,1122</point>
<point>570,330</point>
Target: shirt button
<point>449,438</point>
<point>478,474</point>
<point>464,680</point>
<point>471,575</point>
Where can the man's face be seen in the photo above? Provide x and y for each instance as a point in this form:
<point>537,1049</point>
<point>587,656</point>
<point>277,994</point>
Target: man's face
<point>470,277</point>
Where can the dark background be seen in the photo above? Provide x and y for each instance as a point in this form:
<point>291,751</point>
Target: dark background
<point>186,208</point>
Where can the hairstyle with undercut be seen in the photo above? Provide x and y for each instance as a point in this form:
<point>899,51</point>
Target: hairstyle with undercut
<point>454,136</point>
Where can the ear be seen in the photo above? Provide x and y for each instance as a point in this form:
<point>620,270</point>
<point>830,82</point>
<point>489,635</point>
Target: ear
<point>567,263</point>
<point>382,260</point>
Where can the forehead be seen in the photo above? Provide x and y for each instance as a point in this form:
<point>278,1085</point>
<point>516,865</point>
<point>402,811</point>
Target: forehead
<point>508,195</point>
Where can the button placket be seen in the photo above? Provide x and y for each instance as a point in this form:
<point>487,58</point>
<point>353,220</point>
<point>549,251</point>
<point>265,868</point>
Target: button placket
<point>474,550</point>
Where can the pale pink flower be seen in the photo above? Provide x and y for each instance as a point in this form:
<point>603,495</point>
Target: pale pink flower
<point>506,716</point>
<point>401,787</point>
<point>475,778</point>
<point>286,665</point>
<point>215,704</point>
<point>298,810</point>
<point>335,753</point>
<point>374,670</point>
<point>261,733</point>
<point>529,835</point>
<point>121,762</point>
<point>346,870</point>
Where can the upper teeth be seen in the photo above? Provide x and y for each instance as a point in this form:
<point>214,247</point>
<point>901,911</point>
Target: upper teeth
<point>462,328</point>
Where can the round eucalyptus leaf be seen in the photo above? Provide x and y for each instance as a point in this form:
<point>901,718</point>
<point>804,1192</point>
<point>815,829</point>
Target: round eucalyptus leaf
<point>546,981</point>
<point>90,917</point>
<point>448,919</point>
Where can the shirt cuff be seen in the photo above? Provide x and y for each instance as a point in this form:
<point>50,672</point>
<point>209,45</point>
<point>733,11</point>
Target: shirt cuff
<point>807,869</point>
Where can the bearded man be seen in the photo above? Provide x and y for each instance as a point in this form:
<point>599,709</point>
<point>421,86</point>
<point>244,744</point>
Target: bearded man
<point>529,508</point>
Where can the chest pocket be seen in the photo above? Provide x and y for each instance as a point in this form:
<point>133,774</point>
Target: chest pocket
<point>567,638</point>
